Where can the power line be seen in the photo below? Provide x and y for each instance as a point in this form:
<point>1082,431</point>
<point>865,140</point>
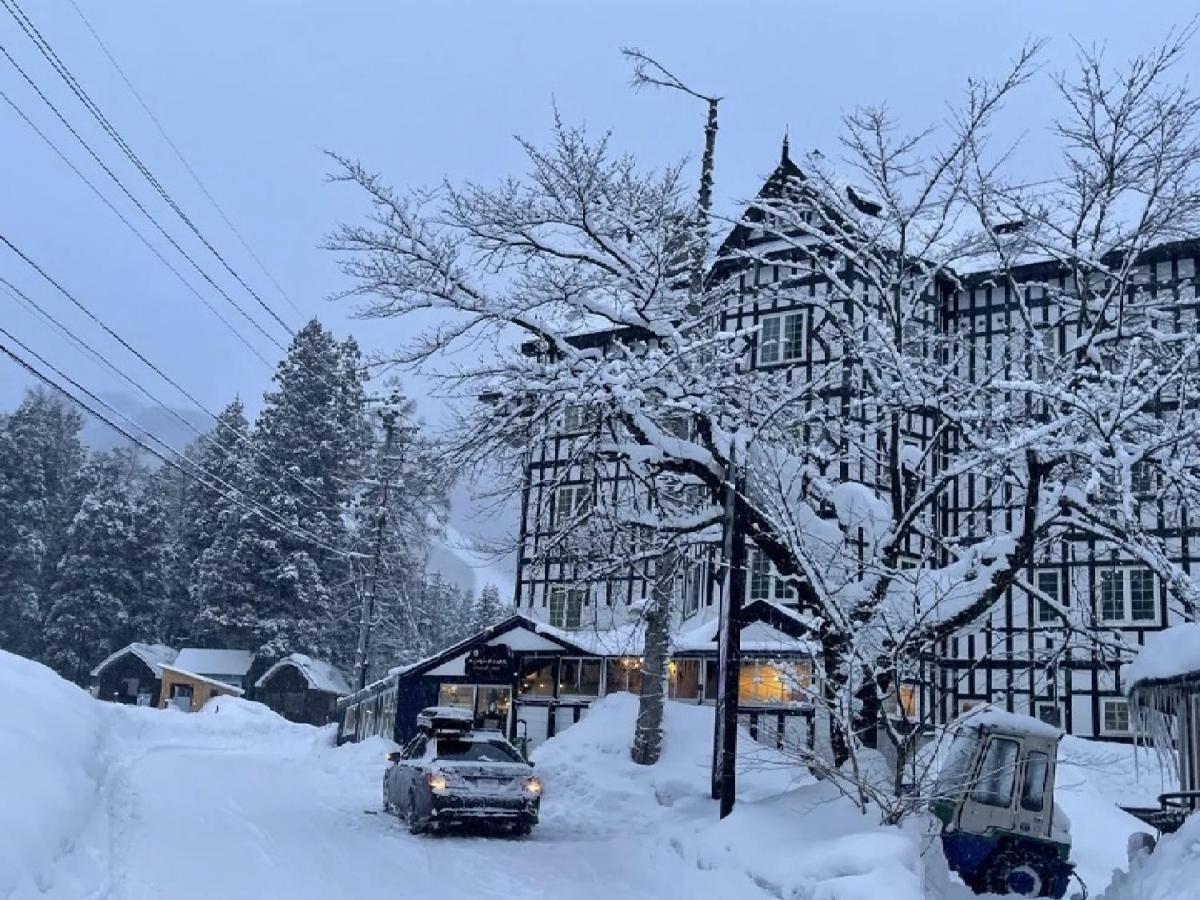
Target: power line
<point>24,299</point>
<point>132,199</point>
<point>95,190</point>
<point>179,155</point>
<point>248,505</point>
<point>31,31</point>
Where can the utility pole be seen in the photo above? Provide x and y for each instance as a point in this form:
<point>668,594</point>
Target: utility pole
<point>367,610</point>
<point>729,660</point>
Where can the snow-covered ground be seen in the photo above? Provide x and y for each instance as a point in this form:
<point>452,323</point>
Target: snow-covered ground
<point>104,801</point>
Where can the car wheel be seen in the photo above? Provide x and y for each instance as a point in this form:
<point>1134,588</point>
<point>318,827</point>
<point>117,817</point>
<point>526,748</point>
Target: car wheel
<point>387,800</point>
<point>415,825</point>
<point>523,830</point>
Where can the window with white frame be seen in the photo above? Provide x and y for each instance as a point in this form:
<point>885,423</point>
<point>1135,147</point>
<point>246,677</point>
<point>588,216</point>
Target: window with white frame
<point>1114,716</point>
<point>1049,582</point>
<point>781,338</point>
<point>693,587</point>
<point>566,606</point>
<point>764,584</point>
<point>1125,596</point>
<point>571,501</point>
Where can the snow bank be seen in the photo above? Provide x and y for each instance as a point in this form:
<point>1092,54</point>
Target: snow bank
<point>788,835</point>
<point>50,754</point>
<point>1168,653</point>
<point>1171,872</point>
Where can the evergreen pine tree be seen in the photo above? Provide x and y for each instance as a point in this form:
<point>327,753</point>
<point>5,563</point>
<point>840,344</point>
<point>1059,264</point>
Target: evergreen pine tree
<point>276,589</point>
<point>97,595</point>
<point>487,610</point>
<point>40,460</point>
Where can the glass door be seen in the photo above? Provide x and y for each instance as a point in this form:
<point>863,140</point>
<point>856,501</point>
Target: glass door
<point>492,706</point>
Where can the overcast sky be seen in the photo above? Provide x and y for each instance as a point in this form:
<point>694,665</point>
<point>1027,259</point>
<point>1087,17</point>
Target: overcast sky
<point>252,91</point>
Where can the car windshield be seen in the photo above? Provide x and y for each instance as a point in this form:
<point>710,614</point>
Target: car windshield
<point>475,751</point>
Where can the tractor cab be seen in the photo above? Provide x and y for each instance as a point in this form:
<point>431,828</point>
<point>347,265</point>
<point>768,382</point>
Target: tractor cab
<point>1001,831</point>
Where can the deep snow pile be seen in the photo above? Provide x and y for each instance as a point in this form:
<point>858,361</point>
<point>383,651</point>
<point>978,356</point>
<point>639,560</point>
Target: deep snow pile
<point>1171,872</point>
<point>52,764</point>
<point>789,835</point>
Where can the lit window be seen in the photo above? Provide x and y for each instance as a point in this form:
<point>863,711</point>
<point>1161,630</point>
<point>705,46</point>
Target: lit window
<point>1049,582</point>
<point>781,339</point>
<point>770,683</point>
<point>566,607</point>
<point>1114,717</point>
<point>580,677</point>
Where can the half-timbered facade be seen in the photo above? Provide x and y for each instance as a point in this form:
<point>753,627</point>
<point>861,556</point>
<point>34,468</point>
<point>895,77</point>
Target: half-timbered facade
<point>1015,657</point>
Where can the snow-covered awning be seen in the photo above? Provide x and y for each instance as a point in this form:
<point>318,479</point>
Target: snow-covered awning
<point>1170,655</point>
<point>225,686</point>
<point>320,675</point>
<point>153,655</point>
<point>211,661</point>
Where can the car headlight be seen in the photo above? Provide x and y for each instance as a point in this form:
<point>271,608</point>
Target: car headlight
<point>437,782</point>
<point>532,786</point>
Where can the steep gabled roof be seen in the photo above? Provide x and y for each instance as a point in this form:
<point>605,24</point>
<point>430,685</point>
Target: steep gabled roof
<point>153,655</point>
<point>320,675</point>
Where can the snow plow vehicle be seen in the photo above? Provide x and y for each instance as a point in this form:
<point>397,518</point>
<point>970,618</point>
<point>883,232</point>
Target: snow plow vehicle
<point>1001,830</point>
<point>452,774</point>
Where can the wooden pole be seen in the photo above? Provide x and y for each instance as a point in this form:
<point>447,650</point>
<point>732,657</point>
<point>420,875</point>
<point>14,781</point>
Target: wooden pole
<point>724,785</point>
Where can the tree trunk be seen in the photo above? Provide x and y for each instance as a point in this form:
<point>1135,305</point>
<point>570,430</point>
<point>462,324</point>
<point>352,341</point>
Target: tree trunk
<point>648,735</point>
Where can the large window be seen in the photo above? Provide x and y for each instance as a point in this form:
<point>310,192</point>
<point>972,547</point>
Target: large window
<point>537,678</point>
<point>771,683</point>
<point>624,674</point>
<point>994,784</point>
<point>1049,582</point>
<point>1114,716</point>
<point>461,695</point>
<point>566,606</point>
<point>781,339</point>
<point>684,683</point>
<point>580,677</point>
<point>1125,596</point>
<point>571,501</point>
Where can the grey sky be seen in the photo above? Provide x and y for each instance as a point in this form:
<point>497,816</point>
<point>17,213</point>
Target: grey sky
<point>253,90</point>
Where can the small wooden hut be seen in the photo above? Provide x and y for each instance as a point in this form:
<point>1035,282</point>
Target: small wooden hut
<point>132,674</point>
<point>302,689</point>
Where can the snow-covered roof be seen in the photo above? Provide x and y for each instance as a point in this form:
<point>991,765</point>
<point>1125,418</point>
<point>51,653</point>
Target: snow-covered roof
<point>223,685</point>
<point>1171,653</point>
<point>320,675</point>
<point>153,655</point>
<point>999,720</point>
<point>205,661</point>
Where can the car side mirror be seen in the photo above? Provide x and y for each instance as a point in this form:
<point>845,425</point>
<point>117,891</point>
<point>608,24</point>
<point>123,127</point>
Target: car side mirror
<point>395,756</point>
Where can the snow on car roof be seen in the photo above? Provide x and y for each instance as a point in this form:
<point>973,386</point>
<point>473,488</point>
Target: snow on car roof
<point>446,712</point>
<point>153,655</point>
<point>205,661</point>
<point>1171,653</point>
<point>999,720</point>
<point>320,675</point>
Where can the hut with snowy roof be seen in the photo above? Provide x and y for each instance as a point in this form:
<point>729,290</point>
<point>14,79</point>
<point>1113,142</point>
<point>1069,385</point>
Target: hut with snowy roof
<point>302,689</point>
<point>132,674</point>
<point>1164,699</point>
